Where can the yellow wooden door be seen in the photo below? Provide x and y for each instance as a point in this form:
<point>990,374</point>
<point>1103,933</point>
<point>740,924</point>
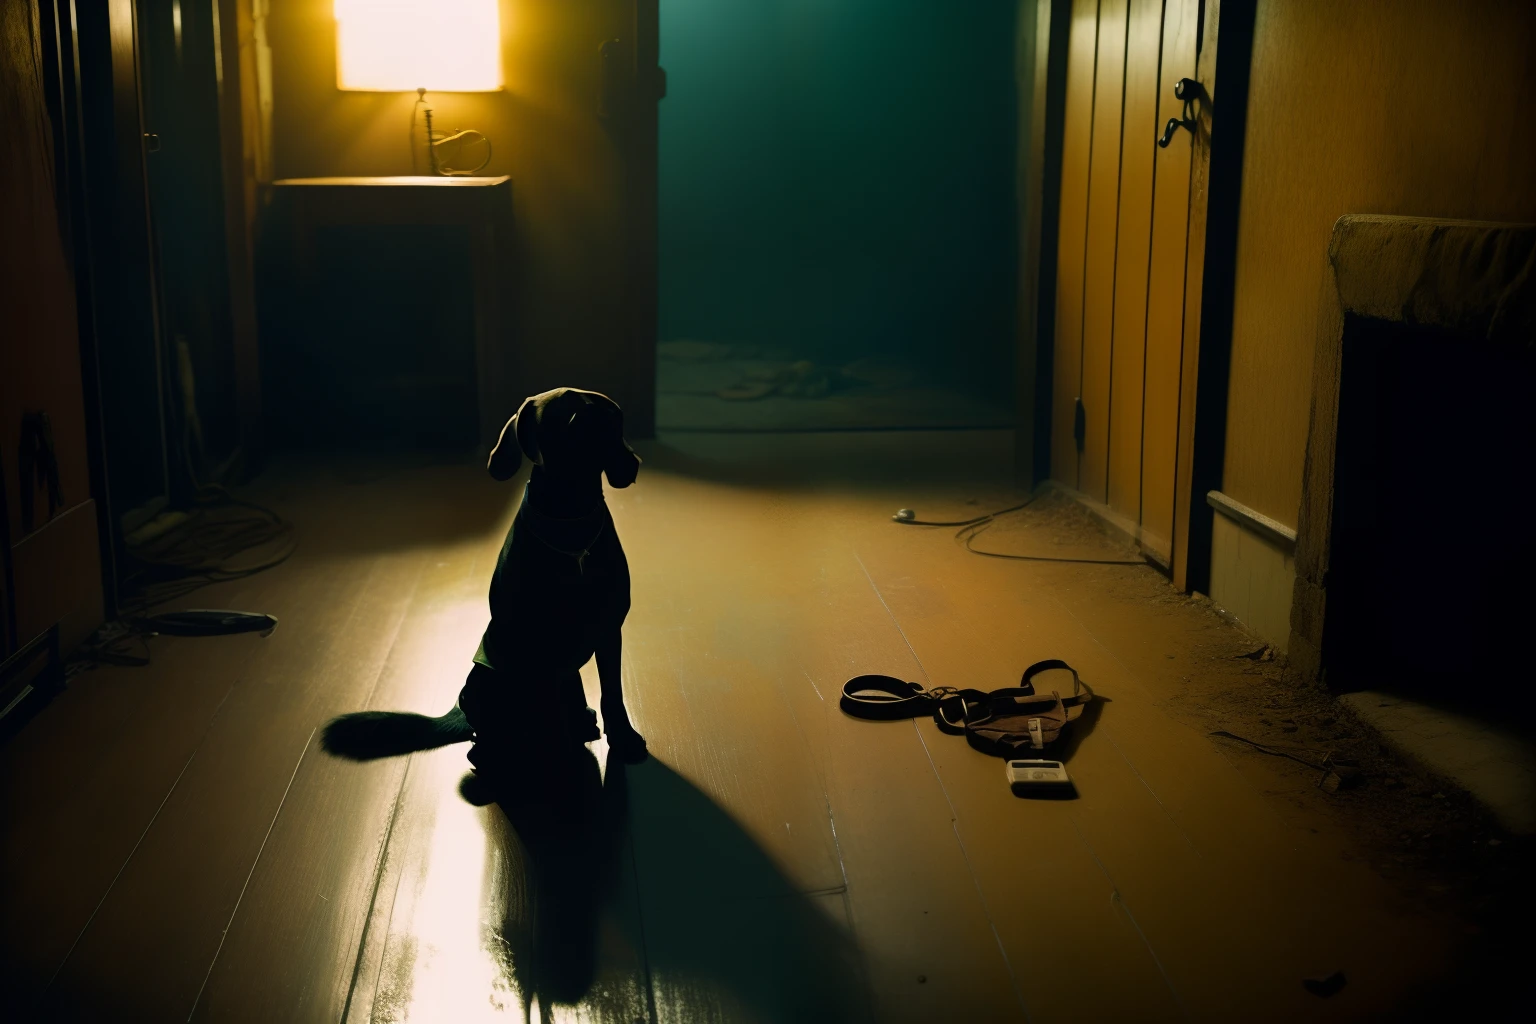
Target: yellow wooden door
<point>1099,259</point>
<point>1077,137</point>
<point>1128,343</point>
<point>1126,272</point>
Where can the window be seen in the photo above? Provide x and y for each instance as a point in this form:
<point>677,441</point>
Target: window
<point>403,45</point>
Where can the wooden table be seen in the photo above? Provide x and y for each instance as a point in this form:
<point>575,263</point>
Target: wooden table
<point>481,205</point>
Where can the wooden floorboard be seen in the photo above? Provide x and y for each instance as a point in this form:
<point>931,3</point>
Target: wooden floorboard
<point>160,929</point>
<point>700,684</point>
<point>178,845</point>
<point>1169,823</point>
<point>331,835</point>
<point>1282,899</point>
<point>972,631</point>
<point>342,592</point>
<point>82,787</point>
<point>926,948</point>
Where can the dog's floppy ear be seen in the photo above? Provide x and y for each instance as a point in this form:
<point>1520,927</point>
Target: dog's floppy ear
<point>623,467</point>
<point>520,436</point>
<point>506,458</point>
<point>525,425</point>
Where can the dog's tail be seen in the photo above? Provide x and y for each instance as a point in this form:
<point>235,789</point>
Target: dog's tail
<point>366,735</point>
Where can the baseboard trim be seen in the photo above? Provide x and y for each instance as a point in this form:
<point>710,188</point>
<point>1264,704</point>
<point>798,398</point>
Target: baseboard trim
<point>1128,529</point>
<point>1254,521</point>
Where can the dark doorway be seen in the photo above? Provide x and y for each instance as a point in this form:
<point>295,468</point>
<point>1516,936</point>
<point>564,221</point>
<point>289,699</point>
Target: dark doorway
<point>837,215</point>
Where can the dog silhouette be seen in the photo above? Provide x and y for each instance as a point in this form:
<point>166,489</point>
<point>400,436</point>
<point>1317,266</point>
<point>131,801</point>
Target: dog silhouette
<point>558,598</point>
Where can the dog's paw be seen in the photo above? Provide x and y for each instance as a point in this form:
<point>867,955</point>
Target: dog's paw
<point>628,744</point>
<point>622,737</point>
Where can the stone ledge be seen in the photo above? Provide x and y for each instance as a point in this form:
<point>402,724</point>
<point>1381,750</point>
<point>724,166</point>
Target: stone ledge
<point>1470,277</point>
<point>1498,768</point>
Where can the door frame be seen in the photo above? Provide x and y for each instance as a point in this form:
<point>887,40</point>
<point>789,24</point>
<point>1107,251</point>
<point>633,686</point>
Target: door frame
<point>1040,70</point>
<point>648,87</point>
<point>1216,185</point>
<point>90,62</point>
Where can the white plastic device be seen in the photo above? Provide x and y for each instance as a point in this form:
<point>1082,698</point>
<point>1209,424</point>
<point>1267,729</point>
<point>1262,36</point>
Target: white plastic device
<point>1030,774</point>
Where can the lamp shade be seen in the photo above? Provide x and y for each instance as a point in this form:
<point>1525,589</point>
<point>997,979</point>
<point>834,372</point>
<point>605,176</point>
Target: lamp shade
<point>403,45</point>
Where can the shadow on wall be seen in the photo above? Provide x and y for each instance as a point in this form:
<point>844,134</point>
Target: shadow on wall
<point>719,925</point>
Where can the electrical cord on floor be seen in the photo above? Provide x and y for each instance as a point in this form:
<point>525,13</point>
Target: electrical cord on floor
<point>216,530</point>
<point>1277,750</point>
<point>971,528</point>
<point>186,549</point>
<point>1340,772</point>
<point>204,549</point>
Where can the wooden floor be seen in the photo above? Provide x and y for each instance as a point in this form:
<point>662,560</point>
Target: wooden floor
<point>177,846</point>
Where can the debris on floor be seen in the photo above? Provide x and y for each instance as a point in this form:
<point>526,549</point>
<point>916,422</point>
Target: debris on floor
<point>804,378</point>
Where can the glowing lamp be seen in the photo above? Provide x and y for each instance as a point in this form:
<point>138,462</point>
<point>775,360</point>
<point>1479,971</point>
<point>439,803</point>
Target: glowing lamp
<point>404,45</point>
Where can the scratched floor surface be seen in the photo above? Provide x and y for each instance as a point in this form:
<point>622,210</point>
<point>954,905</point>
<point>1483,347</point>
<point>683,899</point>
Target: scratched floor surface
<point>176,846</point>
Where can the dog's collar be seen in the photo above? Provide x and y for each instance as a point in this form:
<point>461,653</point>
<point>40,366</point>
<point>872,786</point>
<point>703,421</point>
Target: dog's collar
<point>571,537</point>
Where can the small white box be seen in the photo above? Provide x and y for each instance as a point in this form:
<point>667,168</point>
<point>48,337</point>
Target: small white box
<point>1037,774</point>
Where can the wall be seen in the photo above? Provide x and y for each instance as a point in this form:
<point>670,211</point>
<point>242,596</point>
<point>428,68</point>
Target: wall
<point>566,163</point>
<point>1415,107</point>
<point>56,568</point>
<point>838,179</point>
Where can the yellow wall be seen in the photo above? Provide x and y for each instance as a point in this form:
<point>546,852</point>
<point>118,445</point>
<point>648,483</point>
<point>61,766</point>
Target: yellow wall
<point>544,127</point>
<point>1414,107</point>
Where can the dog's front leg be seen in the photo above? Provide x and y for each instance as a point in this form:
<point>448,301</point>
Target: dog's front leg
<point>622,737</point>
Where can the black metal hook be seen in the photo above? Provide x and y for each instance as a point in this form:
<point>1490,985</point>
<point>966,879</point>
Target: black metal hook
<point>1173,125</point>
<point>1188,90</point>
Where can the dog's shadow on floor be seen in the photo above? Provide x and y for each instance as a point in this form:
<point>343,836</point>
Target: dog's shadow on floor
<point>604,880</point>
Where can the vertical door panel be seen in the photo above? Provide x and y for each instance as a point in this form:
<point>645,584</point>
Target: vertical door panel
<point>1165,287</point>
<point>1099,262</point>
<point>1137,149</point>
<point>1076,141</point>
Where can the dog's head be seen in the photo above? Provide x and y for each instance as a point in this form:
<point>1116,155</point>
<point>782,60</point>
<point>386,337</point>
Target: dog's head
<point>567,431</point>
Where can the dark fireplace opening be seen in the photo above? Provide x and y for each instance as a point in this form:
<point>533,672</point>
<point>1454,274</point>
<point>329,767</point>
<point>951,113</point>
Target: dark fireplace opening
<point>1433,555</point>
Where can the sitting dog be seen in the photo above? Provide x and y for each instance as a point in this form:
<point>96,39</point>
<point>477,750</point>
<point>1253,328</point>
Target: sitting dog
<point>558,598</point>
